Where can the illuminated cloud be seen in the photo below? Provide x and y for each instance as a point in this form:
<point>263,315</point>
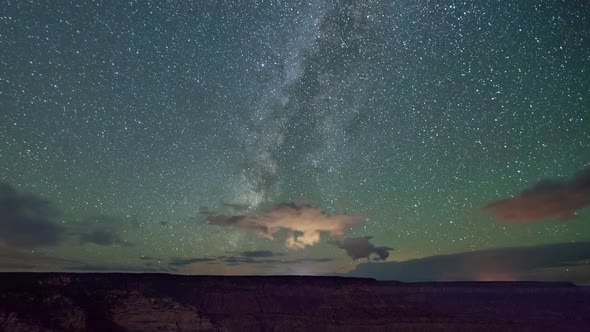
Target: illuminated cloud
<point>361,247</point>
<point>548,198</point>
<point>304,223</point>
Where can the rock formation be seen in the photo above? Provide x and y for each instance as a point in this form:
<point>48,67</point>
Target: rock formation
<point>160,302</point>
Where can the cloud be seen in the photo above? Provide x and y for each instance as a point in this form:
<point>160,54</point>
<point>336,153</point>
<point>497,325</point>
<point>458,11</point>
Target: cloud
<point>244,259</point>
<point>204,210</point>
<point>134,221</point>
<point>118,268</point>
<point>188,261</point>
<point>102,230</point>
<point>238,208</point>
<point>361,247</point>
<point>543,263</point>
<point>260,253</point>
<point>309,260</point>
<point>102,220</point>
<point>16,266</point>
<point>304,223</point>
<point>201,217</point>
<point>548,198</point>
<point>26,259</point>
<point>27,220</point>
<point>103,237</point>
<point>229,220</point>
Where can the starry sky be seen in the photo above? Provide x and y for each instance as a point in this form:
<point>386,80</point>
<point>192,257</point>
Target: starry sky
<point>410,140</point>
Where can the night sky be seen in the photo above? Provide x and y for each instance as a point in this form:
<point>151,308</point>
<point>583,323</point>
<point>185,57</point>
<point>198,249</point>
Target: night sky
<point>411,140</point>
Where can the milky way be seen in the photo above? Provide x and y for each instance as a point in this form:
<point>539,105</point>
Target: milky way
<point>177,130</point>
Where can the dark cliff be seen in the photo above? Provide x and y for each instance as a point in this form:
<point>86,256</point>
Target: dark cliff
<point>160,302</point>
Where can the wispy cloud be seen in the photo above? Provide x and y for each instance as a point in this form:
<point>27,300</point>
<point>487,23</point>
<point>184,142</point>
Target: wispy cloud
<point>260,253</point>
<point>548,198</point>
<point>25,259</point>
<point>27,220</point>
<point>237,208</point>
<point>119,268</point>
<point>188,261</point>
<point>102,230</point>
<point>103,237</point>
<point>245,259</point>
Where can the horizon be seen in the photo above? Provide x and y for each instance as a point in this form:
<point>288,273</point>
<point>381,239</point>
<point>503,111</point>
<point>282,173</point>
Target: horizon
<point>287,276</point>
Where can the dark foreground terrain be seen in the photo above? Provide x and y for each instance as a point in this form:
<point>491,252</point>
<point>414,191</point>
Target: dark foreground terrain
<point>160,302</point>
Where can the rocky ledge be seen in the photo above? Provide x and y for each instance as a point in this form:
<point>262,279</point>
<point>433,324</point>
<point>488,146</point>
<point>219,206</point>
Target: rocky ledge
<point>161,302</point>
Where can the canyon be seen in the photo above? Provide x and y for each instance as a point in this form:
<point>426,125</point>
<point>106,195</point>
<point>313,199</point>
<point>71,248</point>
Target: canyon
<point>163,302</point>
